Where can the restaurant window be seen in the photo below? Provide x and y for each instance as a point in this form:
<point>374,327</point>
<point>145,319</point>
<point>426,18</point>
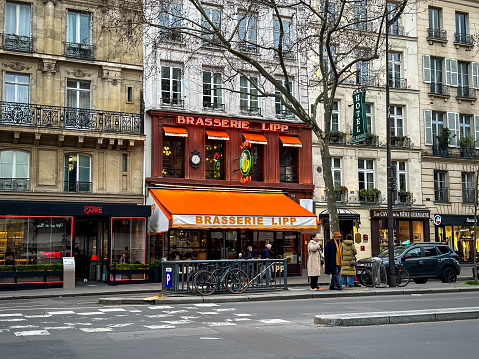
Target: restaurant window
<point>188,245</point>
<point>288,157</point>
<point>129,238</point>
<point>173,158</point>
<point>214,159</point>
<point>14,170</point>
<point>256,171</point>
<point>35,240</point>
<point>77,173</point>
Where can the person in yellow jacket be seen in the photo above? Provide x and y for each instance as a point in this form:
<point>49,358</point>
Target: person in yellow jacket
<point>348,268</point>
<point>333,255</point>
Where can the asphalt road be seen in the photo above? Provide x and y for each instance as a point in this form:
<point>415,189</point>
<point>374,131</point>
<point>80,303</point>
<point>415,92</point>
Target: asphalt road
<point>80,328</point>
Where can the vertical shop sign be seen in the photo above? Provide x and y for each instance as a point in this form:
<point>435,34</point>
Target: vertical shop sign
<point>245,162</point>
<point>360,125</point>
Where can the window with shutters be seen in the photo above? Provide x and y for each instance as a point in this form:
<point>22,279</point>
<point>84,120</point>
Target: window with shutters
<point>465,126</point>
<point>437,87</point>
<point>463,88</point>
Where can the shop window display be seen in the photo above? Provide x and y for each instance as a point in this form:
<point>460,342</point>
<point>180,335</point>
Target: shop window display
<point>188,245</point>
<point>129,238</point>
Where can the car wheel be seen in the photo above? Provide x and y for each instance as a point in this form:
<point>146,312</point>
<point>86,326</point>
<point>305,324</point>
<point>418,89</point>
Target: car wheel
<point>420,280</point>
<point>449,275</point>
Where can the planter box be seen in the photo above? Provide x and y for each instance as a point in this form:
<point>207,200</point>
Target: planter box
<point>34,277</point>
<point>116,276</point>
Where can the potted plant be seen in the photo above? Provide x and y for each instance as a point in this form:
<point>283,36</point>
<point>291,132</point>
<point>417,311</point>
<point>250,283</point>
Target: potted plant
<point>369,195</point>
<point>129,270</point>
<point>338,137</point>
<point>155,266</point>
<point>404,196</point>
<point>467,145</point>
<point>401,141</point>
<point>373,140</point>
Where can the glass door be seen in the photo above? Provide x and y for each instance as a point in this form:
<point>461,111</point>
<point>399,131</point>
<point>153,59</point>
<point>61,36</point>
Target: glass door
<point>91,249</point>
<point>215,245</point>
<point>231,245</point>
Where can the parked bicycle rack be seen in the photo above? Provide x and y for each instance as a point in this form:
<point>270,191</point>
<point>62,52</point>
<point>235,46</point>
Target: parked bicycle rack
<point>263,274</point>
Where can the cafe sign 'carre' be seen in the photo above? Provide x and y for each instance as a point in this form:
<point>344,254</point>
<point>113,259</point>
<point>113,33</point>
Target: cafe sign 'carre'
<point>224,123</point>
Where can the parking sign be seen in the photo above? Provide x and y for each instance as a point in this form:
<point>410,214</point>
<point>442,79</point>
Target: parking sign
<point>168,278</point>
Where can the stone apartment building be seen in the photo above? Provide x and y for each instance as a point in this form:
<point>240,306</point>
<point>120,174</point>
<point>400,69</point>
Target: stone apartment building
<point>360,169</point>
<point>71,138</point>
<point>448,83</point>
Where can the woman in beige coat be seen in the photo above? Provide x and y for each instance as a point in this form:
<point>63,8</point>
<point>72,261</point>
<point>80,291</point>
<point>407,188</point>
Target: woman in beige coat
<point>314,261</point>
<point>348,270</point>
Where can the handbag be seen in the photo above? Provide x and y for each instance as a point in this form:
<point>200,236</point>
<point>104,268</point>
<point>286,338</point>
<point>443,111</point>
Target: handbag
<point>353,262</point>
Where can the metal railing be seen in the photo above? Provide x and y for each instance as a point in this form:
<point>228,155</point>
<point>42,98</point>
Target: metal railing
<point>284,113</point>
<point>439,89</point>
<point>172,101</point>
<point>464,39</point>
<point>251,110</point>
<point>173,172</point>
<point>436,34</point>
<point>76,186</point>
<point>214,106</point>
<point>440,152</point>
<point>79,50</point>
<point>468,195</point>
<point>247,47</point>
<point>173,34</point>
<point>15,113</point>
<point>14,184</point>
<point>396,30</point>
<point>404,198</point>
<point>467,153</point>
<point>17,42</point>
<point>440,194</point>
<point>400,142</point>
<point>397,83</point>
<point>263,274</point>
<point>287,53</point>
<point>466,92</point>
<point>337,139</point>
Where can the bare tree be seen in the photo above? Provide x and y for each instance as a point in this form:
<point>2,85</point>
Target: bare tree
<point>319,44</point>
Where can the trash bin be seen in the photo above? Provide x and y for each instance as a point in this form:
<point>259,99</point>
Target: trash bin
<point>378,272</point>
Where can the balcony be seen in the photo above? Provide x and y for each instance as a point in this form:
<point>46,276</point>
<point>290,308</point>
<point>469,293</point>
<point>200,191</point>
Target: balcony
<point>172,102</point>
<point>68,118</point>
<point>366,80</point>
<point>287,53</point>
<point>76,186</point>
<point>468,195</point>
<point>400,142</point>
<point>214,106</point>
<point>440,194</point>
<point>396,30</point>
<point>14,184</point>
<point>250,110</point>
<point>17,42</point>
<point>173,172</point>
<point>404,198</point>
<point>284,114</point>
<point>173,34</point>
<point>463,39</point>
<point>466,93</point>
<point>440,151</point>
<point>436,34</point>
<point>247,47</point>
<point>337,138</point>
<point>341,195</point>
<point>439,89</point>
<point>397,83</point>
<point>79,51</point>
<point>467,153</point>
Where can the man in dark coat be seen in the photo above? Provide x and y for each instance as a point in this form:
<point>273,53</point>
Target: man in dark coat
<point>266,254</point>
<point>333,256</point>
<point>249,253</point>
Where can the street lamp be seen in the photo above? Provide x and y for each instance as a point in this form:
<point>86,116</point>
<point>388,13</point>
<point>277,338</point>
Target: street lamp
<point>390,179</point>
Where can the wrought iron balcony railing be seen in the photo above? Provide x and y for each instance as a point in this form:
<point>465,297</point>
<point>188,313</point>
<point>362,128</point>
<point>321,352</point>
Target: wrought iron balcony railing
<point>173,34</point>
<point>439,89</point>
<point>436,34</point>
<point>173,172</point>
<point>466,92</point>
<point>468,195</point>
<point>400,141</point>
<point>172,101</point>
<point>215,174</point>
<point>396,30</point>
<point>14,184</point>
<point>363,25</point>
<point>441,152</point>
<point>15,113</point>
<point>467,153</point>
<point>404,198</point>
<point>214,106</point>
<point>397,83</point>
<point>284,113</point>
<point>76,186</point>
<point>440,194</point>
<point>251,110</point>
<point>79,50</point>
<point>17,42</point>
<point>464,39</point>
<point>287,53</point>
<point>248,47</point>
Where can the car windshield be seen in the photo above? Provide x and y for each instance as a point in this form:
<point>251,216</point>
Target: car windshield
<point>397,251</point>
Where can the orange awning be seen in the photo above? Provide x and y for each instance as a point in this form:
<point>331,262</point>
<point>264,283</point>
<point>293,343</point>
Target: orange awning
<point>175,131</point>
<point>215,209</point>
<point>257,138</point>
<point>217,135</point>
<point>291,141</point>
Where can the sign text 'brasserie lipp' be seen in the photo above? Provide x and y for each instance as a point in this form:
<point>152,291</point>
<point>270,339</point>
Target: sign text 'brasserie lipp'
<point>223,123</point>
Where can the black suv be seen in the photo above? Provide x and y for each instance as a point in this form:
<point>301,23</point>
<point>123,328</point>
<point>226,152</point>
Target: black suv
<point>423,261</point>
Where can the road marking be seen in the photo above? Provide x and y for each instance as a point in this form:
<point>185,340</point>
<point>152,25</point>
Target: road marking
<point>208,313</point>
<point>208,338</point>
<point>175,311</point>
<point>90,313</point>
<point>62,312</point>
<point>58,328</point>
<point>219,324</point>
<point>23,326</point>
<point>32,332</point>
<point>113,310</point>
<point>11,315</point>
<point>96,330</point>
<point>120,325</point>
<point>38,316</point>
<point>188,317</point>
<point>243,314</point>
<point>273,321</point>
<point>13,320</point>
<point>160,326</point>
<point>73,324</point>
<point>241,319</point>
<point>161,307</point>
<point>225,309</point>
<point>135,311</point>
<point>158,316</point>
<point>206,305</point>
<point>175,322</point>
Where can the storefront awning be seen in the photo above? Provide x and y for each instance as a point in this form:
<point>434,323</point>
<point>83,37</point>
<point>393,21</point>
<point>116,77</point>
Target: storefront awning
<point>256,138</point>
<point>291,141</point>
<point>342,214</point>
<point>217,135</point>
<point>175,131</point>
<point>212,209</point>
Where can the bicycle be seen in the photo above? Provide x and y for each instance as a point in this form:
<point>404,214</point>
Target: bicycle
<point>206,282</point>
<point>402,276</point>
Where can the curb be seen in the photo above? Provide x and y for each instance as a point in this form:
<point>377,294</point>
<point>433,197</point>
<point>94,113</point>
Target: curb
<point>411,316</point>
<point>276,296</point>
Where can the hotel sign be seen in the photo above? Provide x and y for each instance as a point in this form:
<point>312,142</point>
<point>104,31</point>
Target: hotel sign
<point>225,123</point>
<point>250,222</point>
<point>360,125</point>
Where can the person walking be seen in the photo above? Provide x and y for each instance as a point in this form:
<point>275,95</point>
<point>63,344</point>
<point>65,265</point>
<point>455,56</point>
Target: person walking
<point>266,254</point>
<point>348,263</point>
<point>333,256</point>
<point>314,261</point>
<point>249,253</point>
